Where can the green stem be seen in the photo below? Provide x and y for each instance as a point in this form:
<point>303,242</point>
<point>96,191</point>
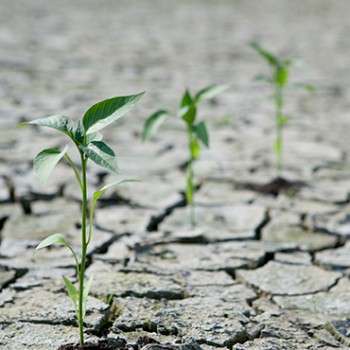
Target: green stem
<point>278,141</point>
<point>83,250</point>
<point>190,176</point>
<point>92,208</point>
<point>75,170</point>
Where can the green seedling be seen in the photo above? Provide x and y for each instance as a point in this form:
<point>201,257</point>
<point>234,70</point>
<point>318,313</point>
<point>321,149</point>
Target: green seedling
<point>86,136</point>
<point>197,132</point>
<point>278,79</point>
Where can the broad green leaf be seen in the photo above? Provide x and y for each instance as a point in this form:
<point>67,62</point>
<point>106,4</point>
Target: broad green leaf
<point>45,162</point>
<point>268,56</point>
<point>153,123</point>
<point>86,292</point>
<point>188,114</point>
<point>210,92</point>
<point>186,99</point>
<point>101,154</point>
<point>56,238</point>
<point>79,133</point>
<point>58,122</point>
<point>108,111</point>
<point>195,148</point>
<point>72,291</point>
<point>96,136</point>
<point>202,133</point>
<point>182,110</point>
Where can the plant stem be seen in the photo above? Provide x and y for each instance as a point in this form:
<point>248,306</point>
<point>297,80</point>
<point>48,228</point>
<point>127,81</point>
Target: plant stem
<point>278,141</point>
<point>190,175</point>
<point>83,249</point>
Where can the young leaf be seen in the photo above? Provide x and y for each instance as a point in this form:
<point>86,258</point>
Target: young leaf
<point>153,123</point>
<point>202,133</point>
<point>78,133</point>
<point>101,154</point>
<point>45,162</point>
<point>58,122</point>
<point>56,238</point>
<point>269,57</point>
<point>263,77</point>
<point>101,191</point>
<point>209,92</point>
<point>86,292</point>
<point>72,291</point>
<point>108,111</point>
<point>96,136</point>
<point>281,76</point>
<point>307,87</point>
<point>188,114</point>
<point>283,120</point>
<point>186,99</point>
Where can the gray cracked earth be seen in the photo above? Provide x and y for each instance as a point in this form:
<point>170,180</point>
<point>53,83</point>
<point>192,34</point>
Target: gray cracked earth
<point>260,272</point>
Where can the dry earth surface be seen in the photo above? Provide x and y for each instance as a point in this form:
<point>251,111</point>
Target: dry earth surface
<point>260,272</point>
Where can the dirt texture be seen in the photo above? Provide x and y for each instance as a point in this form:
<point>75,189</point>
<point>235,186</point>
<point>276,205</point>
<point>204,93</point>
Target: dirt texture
<point>259,272</point>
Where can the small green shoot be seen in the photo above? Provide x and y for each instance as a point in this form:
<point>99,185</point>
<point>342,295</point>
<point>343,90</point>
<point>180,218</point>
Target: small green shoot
<point>197,132</point>
<point>85,135</point>
<point>278,79</point>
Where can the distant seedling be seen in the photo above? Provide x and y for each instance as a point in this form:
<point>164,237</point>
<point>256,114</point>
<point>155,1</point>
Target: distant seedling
<point>278,79</point>
<point>197,132</point>
<point>87,138</point>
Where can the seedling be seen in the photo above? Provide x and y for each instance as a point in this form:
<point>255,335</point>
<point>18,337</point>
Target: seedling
<point>87,138</point>
<point>278,79</point>
<point>197,133</point>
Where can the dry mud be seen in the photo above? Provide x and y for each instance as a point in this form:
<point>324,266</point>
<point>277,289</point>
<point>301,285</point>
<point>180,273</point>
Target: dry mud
<point>260,272</point>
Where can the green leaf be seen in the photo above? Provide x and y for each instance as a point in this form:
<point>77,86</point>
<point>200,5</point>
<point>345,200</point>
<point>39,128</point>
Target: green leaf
<point>86,293</point>
<point>210,92</point>
<point>56,238</point>
<point>263,77</point>
<point>268,56</point>
<point>308,87</point>
<point>96,136</point>
<point>108,111</point>
<point>58,122</point>
<point>101,191</point>
<point>72,292</point>
<point>281,76</point>
<point>153,123</point>
<point>101,154</point>
<point>78,133</point>
<point>188,114</point>
<point>202,133</point>
<point>186,99</point>
<point>283,120</point>
<point>45,162</point>
<point>195,148</point>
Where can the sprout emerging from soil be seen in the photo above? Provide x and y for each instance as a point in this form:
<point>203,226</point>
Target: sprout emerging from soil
<point>86,136</point>
<point>278,79</point>
<point>197,132</point>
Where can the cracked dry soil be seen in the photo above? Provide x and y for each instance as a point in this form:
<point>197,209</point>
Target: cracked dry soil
<point>262,271</point>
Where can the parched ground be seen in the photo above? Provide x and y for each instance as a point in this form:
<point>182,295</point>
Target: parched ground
<point>261,272</point>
